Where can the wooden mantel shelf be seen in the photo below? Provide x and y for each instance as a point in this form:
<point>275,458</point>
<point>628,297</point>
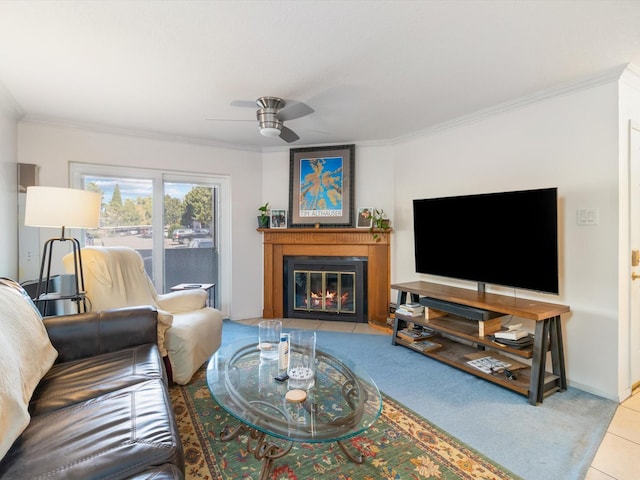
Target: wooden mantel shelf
<point>327,242</point>
<point>324,236</point>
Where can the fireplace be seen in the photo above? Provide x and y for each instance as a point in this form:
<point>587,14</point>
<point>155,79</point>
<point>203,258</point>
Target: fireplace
<point>328,242</point>
<point>325,288</point>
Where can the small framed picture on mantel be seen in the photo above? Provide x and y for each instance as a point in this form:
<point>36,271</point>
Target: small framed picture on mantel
<point>365,217</point>
<point>278,218</point>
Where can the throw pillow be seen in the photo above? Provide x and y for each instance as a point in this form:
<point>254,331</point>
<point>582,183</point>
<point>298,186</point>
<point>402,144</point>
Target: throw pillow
<point>26,355</point>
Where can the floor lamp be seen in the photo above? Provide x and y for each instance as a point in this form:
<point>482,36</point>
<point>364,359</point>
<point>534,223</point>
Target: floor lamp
<point>63,208</point>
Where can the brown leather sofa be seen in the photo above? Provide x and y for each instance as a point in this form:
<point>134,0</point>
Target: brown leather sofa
<point>102,411</point>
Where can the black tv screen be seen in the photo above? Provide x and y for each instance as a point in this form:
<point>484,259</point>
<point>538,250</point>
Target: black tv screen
<point>506,238</point>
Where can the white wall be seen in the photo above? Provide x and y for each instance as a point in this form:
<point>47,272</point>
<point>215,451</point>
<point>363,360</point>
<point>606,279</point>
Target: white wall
<point>569,142</point>
<point>53,147</point>
<point>8,188</point>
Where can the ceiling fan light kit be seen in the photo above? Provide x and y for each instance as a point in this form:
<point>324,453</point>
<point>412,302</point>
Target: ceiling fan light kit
<point>270,131</point>
<point>269,124</point>
<point>270,117</point>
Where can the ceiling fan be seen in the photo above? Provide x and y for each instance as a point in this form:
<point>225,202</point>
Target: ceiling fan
<point>272,114</point>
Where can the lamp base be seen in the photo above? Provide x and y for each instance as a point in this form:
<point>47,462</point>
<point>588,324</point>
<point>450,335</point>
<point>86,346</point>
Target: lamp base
<point>44,283</point>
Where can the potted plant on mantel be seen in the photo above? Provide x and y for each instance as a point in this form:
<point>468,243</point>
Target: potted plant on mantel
<point>263,218</point>
<point>379,224</point>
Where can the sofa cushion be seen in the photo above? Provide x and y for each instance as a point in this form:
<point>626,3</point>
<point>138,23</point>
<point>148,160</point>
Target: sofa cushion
<point>26,354</point>
<point>73,382</point>
<point>116,436</point>
<point>163,472</point>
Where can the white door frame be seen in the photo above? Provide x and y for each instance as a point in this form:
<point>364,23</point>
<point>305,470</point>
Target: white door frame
<point>633,287</point>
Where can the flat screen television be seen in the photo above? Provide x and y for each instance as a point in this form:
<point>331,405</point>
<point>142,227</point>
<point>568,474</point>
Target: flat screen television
<point>506,238</point>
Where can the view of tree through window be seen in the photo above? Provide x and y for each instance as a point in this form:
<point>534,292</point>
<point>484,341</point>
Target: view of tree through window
<point>170,219</point>
<point>127,211</point>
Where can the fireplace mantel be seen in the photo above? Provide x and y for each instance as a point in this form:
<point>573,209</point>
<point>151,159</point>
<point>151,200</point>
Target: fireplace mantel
<point>338,242</point>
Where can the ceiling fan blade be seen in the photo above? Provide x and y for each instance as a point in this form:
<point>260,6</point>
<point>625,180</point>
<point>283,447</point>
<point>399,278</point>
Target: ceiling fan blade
<point>294,110</point>
<point>230,119</point>
<point>244,103</point>
<point>288,135</point>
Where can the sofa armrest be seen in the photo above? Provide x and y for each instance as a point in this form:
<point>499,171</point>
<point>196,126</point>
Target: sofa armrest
<point>182,300</point>
<point>93,333</point>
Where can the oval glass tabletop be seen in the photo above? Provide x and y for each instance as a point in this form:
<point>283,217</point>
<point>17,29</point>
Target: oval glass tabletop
<point>343,402</point>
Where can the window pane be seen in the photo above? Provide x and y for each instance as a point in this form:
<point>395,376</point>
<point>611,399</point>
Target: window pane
<point>191,253</point>
<point>126,216</point>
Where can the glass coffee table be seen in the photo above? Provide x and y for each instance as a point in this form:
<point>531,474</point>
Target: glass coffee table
<point>343,402</point>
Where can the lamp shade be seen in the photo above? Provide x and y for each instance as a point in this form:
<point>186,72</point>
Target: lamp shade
<point>62,207</point>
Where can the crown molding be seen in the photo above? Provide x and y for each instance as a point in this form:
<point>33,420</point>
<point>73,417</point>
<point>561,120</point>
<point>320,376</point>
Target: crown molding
<point>610,75</point>
<point>110,130</point>
<point>100,128</point>
<point>9,105</point>
<point>629,73</point>
<point>631,76</point>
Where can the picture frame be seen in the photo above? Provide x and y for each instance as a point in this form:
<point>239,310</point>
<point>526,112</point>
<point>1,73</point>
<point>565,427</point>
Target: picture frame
<point>364,218</point>
<point>321,186</point>
<point>278,218</point>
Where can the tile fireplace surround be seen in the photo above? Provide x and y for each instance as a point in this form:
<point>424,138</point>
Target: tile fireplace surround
<point>338,242</point>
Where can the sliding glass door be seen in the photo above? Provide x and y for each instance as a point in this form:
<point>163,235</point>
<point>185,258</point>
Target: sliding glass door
<point>191,234</point>
<point>172,220</point>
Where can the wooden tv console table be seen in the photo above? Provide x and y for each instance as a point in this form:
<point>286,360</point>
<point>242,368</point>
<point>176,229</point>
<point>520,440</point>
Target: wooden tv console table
<point>461,314</point>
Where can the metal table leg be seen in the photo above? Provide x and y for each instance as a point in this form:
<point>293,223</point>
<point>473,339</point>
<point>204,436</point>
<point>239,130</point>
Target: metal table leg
<point>257,444</point>
<point>538,363</point>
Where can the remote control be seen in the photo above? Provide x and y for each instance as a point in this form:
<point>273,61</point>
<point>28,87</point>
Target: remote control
<point>282,377</point>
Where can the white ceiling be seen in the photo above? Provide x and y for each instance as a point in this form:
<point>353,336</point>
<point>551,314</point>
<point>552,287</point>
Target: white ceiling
<point>371,70</point>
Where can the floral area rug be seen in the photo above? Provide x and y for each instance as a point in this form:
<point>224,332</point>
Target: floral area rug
<point>400,445</point>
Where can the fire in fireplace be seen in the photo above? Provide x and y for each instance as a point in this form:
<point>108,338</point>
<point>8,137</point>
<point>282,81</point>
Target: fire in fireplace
<point>321,291</point>
<point>325,288</point>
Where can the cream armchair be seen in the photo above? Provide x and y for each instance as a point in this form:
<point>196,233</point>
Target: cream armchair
<point>189,332</point>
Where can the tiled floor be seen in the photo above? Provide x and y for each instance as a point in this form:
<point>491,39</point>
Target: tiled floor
<point>324,325</point>
<point>618,457</point>
<point>619,454</point>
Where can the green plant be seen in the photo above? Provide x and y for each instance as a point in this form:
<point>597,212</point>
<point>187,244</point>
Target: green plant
<point>379,223</point>
<point>264,210</point>
<point>263,218</point>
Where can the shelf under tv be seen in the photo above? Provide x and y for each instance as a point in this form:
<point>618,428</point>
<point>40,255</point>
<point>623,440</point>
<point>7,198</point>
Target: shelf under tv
<point>461,337</point>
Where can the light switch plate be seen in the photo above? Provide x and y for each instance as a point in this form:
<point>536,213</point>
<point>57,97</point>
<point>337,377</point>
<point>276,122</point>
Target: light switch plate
<point>587,216</point>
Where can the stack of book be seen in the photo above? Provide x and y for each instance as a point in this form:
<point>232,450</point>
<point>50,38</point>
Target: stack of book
<point>511,334</point>
<point>516,338</point>
<point>411,310</point>
<point>413,334</point>
<point>425,345</point>
<point>392,310</point>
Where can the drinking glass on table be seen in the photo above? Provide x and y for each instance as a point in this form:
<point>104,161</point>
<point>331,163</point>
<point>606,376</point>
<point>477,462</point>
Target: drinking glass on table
<point>268,338</point>
<point>302,359</point>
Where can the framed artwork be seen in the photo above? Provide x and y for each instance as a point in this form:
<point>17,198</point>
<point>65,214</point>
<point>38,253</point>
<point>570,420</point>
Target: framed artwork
<point>321,186</point>
<point>278,218</point>
<point>365,217</point>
